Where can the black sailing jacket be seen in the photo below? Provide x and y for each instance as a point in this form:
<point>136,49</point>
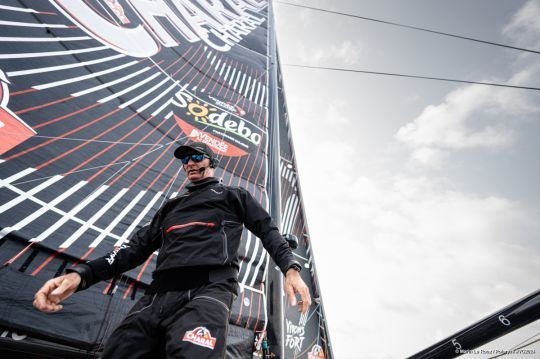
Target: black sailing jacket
<point>201,227</point>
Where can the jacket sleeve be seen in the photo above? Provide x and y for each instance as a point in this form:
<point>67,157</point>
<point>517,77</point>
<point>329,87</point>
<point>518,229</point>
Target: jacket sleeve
<point>259,222</point>
<point>128,256</point>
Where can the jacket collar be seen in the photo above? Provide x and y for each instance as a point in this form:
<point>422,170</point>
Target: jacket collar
<point>202,183</point>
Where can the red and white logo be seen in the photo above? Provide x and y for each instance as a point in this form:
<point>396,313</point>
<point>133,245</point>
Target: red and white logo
<point>13,130</point>
<point>200,336</point>
<point>217,144</point>
<point>316,352</point>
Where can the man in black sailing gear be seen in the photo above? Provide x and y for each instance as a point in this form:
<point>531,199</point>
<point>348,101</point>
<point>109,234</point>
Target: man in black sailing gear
<point>185,311</point>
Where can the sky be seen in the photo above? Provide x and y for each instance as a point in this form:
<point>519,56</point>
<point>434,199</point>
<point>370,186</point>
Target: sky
<point>421,196</point>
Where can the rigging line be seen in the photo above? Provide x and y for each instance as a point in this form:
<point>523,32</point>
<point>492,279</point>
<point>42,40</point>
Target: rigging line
<point>96,167</point>
<point>414,76</point>
<point>106,323</point>
<point>523,342</point>
<point>413,27</point>
<point>115,314</point>
<point>88,140</point>
<point>511,351</point>
<point>83,170</point>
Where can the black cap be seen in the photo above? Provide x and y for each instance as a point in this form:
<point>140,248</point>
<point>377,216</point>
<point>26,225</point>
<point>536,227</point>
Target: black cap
<point>195,147</point>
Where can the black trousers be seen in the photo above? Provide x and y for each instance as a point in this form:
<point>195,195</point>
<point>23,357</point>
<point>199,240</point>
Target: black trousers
<point>178,324</point>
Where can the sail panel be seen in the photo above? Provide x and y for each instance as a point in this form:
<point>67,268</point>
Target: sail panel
<point>95,96</point>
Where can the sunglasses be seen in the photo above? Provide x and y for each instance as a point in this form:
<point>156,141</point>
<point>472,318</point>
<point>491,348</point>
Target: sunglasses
<point>195,157</point>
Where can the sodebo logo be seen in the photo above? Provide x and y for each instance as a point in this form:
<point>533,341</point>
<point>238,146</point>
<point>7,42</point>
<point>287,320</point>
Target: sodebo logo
<point>210,116</point>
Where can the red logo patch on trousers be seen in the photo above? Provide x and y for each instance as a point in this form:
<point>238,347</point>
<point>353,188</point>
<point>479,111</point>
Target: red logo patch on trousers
<point>200,336</point>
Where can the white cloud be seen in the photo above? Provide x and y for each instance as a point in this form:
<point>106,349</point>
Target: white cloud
<point>476,116</point>
<point>450,125</point>
<point>471,117</point>
<point>525,25</point>
<point>430,157</point>
<point>415,259</point>
<point>346,52</point>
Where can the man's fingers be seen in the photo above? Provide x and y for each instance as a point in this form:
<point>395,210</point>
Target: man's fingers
<point>67,285</point>
<point>291,295</point>
<point>42,303</point>
<point>61,292</point>
<point>48,296</point>
<point>48,287</point>
<point>306,299</point>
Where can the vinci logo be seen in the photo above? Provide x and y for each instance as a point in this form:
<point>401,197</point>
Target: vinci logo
<point>316,352</point>
<point>200,336</point>
<point>13,130</point>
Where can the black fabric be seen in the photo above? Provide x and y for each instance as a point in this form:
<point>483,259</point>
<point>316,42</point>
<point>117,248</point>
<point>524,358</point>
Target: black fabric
<point>240,343</point>
<point>177,324</point>
<point>78,324</point>
<point>188,278</point>
<point>201,227</point>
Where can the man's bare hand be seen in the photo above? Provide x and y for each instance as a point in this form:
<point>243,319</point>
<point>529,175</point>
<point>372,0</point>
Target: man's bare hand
<point>294,284</point>
<point>54,291</point>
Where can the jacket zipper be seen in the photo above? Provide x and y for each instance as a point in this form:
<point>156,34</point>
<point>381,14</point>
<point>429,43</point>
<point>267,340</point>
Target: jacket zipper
<point>179,226</point>
<point>226,240</point>
<point>225,246</point>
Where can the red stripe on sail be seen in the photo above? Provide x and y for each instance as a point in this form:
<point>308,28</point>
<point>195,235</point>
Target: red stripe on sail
<point>241,307</point>
<point>172,177</point>
<point>229,88</point>
<point>151,166</point>
<point>258,309</point>
<point>138,276</point>
<point>47,261</point>
<point>219,77</point>
<point>253,163</point>
<point>204,74</point>
<point>90,250</point>
<point>16,93</point>
<point>182,185</point>
<point>61,136</point>
<point>174,63</point>
<point>234,170</point>
<point>18,255</point>
<point>187,62</point>
<point>211,77</point>
<point>108,147</point>
<point>37,107</point>
<point>160,173</point>
<point>114,161</point>
<point>106,290</point>
<point>193,67</point>
<point>63,117</point>
<point>89,141</point>
<point>250,306</point>
<point>154,162</point>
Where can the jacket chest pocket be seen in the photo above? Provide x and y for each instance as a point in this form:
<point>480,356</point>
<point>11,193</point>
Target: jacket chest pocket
<point>197,242</point>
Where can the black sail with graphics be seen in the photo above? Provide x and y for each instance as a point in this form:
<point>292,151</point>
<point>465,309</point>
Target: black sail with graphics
<point>94,97</point>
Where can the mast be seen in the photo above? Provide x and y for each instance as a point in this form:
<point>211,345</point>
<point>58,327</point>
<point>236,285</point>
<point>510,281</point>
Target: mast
<point>275,278</point>
<point>502,322</point>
